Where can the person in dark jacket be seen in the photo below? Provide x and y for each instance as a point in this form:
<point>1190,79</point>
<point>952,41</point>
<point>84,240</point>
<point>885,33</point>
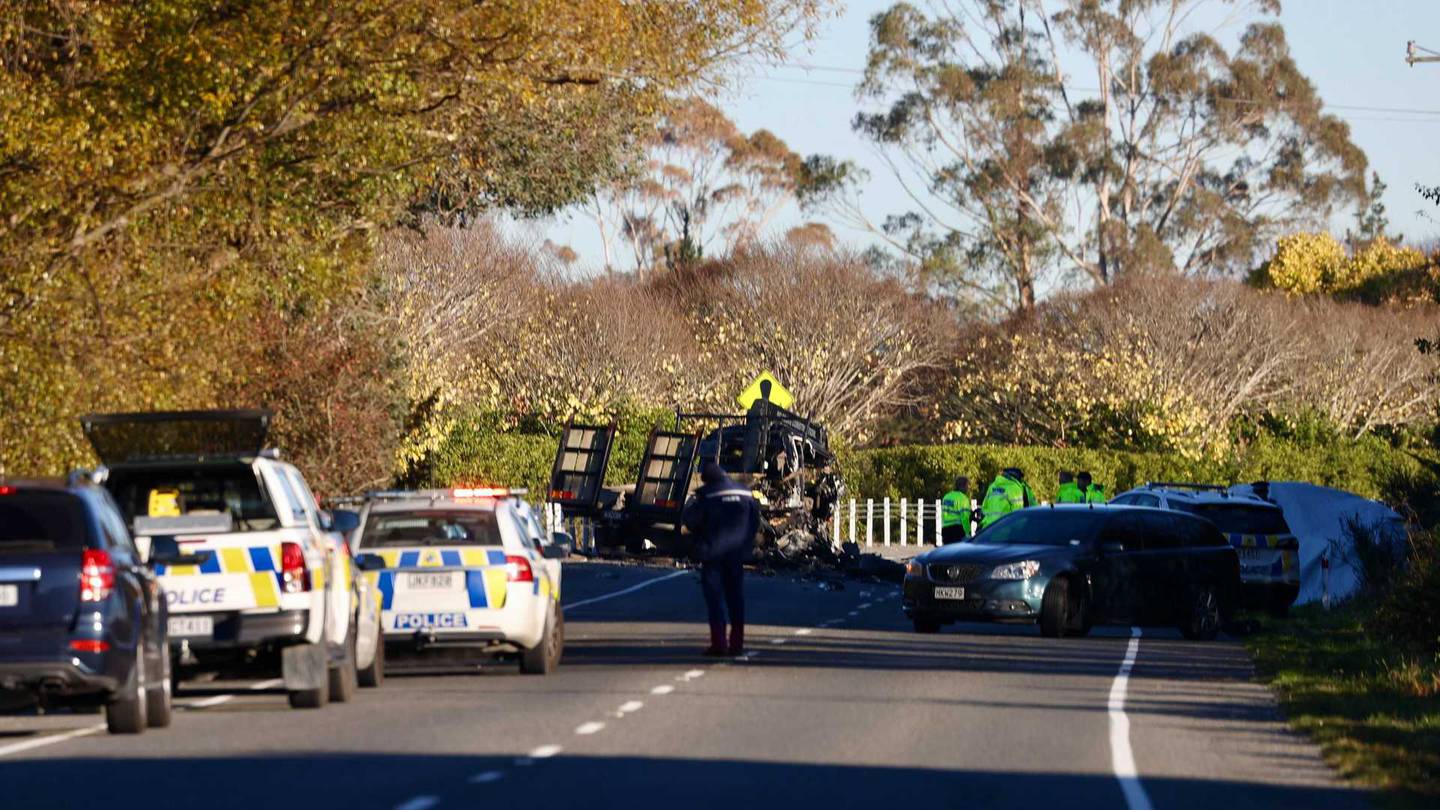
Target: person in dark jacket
<point>723,519</point>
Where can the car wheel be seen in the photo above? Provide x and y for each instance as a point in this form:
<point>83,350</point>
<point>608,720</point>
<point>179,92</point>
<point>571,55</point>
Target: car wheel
<point>1202,614</point>
<point>374,675</point>
<point>125,713</point>
<point>926,626</point>
<point>158,703</point>
<point>1055,608</point>
<point>543,658</point>
<point>344,678</point>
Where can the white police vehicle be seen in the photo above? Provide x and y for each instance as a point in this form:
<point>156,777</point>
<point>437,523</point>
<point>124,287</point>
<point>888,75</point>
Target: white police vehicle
<point>256,576</point>
<point>468,567</point>
<point>1269,551</point>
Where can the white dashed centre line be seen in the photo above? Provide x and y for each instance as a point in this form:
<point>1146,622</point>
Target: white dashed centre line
<point>662,689</point>
<point>804,631</point>
<point>486,777</point>
<point>631,706</point>
<point>778,640</point>
<point>419,803</point>
<point>691,675</point>
<point>854,613</point>
<point>592,727</point>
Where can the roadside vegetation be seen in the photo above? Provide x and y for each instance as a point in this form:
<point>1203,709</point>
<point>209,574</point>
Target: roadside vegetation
<point>1363,680</point>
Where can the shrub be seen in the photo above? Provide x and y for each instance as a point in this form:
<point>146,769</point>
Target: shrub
<point>1304,263</point>
<point>1409,612</point>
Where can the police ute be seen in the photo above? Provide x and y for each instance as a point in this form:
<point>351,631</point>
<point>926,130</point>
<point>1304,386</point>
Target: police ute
<point>258,579</point>
<point>468,567</point>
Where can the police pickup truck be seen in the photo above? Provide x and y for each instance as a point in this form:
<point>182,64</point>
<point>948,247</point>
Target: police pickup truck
<point>257,577</point>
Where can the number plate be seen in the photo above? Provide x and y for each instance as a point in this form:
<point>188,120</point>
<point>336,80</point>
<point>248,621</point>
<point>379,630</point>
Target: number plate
<point>9,595</point>
<point>431,581</point>
<point>945,592</point>
<point>191,626</point>
<point>1257,553</point>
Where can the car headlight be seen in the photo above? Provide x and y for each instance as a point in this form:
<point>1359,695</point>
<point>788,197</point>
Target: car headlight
<point>1016,570</point>
<point>914,569</point>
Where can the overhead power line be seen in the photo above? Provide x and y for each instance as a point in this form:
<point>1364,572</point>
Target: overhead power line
<point>1085,89</point>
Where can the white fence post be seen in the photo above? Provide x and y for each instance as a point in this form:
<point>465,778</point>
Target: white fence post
<point>835,538</point>
<point>939,524</point>
<point>887,519</point>
<point>852,521</point>
<point>920,522</point>
<point>869,521</point>
<point>904,519</point>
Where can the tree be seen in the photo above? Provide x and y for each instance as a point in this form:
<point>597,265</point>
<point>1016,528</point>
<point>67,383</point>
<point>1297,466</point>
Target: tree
<point>704,186</point>
<point>1187,154</point>
<point>176,175</point>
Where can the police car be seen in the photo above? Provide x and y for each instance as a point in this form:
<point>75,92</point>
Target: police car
<point>256,576</point>
<point>1269,551</point>
<point>468,567</point>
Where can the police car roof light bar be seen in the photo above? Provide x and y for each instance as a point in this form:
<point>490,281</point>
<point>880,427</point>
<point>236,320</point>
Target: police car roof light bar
<point>439,494</point>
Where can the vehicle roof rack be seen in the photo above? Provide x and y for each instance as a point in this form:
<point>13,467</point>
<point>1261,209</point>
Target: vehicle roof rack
<point>1186,485</point>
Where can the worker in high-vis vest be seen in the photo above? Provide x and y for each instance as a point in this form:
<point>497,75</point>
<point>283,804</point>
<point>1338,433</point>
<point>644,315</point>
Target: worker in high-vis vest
<point>1008,493</point>
<point>1094,493</point>
<point>1068,491</point>
<point>955,513</point>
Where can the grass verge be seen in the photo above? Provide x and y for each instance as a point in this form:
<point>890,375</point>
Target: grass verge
<point>1374,710</point>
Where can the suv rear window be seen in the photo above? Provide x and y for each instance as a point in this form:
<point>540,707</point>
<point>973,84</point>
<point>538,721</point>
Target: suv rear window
<point>431,527</point>
<point>172,492</point>
<point>1240,518</point>
<point>41,520</point>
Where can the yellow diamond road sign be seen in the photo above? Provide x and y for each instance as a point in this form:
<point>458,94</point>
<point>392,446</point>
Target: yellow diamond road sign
<point>778,394</point>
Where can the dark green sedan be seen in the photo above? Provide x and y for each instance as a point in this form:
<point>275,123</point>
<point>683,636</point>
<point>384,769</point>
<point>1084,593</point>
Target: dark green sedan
<point>1071,567</point>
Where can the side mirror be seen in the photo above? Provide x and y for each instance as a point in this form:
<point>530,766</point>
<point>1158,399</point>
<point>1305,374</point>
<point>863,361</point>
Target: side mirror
<point>1112,547</point>
<point>369,562</point>
<point>165,551</point>
<point>559,547</point>
<point>344,521</point>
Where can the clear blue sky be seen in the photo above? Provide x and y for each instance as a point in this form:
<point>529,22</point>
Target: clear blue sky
<point>1353,50</point>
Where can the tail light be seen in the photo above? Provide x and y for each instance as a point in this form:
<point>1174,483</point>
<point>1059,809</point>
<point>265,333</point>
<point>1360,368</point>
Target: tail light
<point>517,569</point>
<point>294,575</point>
<point>97,575</point>
<point>89,645</point>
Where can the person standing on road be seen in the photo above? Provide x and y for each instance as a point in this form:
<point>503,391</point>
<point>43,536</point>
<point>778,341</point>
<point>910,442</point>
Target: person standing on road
<point>1068,491</point>
<point>723,519</point>
<point>1094,493</point>
<point>955,513</point>
<point>1008,493</point>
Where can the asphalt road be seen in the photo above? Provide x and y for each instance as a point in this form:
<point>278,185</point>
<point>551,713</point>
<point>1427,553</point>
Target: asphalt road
<point>840,704</point>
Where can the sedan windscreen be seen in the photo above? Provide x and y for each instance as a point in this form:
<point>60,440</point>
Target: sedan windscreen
<point>39,520</point>
<point>431,527</point>
<point>1239,518</point>
<point>1044,527</point>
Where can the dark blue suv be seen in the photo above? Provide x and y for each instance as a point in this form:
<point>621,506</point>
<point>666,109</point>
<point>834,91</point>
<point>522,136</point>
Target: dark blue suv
<point>82,618</point>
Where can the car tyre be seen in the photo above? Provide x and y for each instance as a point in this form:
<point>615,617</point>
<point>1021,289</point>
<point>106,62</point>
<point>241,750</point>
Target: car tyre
<point>926,626</point>
<point>1055,608</point>
<point>159,705</point>
<point>1202,614</point>
<point>374,675</point>
<point>125,713</point>
<point>543,658</point>
<point>309,698</point>
<point>344,679</point>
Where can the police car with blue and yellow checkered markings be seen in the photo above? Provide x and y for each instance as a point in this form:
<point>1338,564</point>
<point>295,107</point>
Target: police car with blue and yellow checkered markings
<point>467,567</point>
<point>1269,551</point>
<point>256,576</point>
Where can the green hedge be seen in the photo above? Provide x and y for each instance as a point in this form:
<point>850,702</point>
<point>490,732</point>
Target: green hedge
<point>1368,467</point>
<point>477,452</point>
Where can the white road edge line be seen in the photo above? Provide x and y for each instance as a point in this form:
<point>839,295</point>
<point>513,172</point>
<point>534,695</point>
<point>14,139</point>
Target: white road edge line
<point>545,752</point>
<point>633,588</point>
<point>1122,759</point>
<point>662,689</point>
<point>41,742</point>
<point>631,706</point>
<point>418,803</point>
<point>592,727</point>
<point>804,631</point>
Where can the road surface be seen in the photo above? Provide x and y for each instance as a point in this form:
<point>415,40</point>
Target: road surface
<point>840,704</point>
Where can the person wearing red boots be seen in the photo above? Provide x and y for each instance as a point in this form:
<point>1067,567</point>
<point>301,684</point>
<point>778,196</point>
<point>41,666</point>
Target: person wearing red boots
<point>723,519</point>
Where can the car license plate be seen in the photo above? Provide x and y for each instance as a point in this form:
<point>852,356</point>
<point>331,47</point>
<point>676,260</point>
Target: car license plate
<point>1257,553</point>
<point>9,595</point>
<point>430,581</point>
<point>943,592</point>
<point>189,626</point>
